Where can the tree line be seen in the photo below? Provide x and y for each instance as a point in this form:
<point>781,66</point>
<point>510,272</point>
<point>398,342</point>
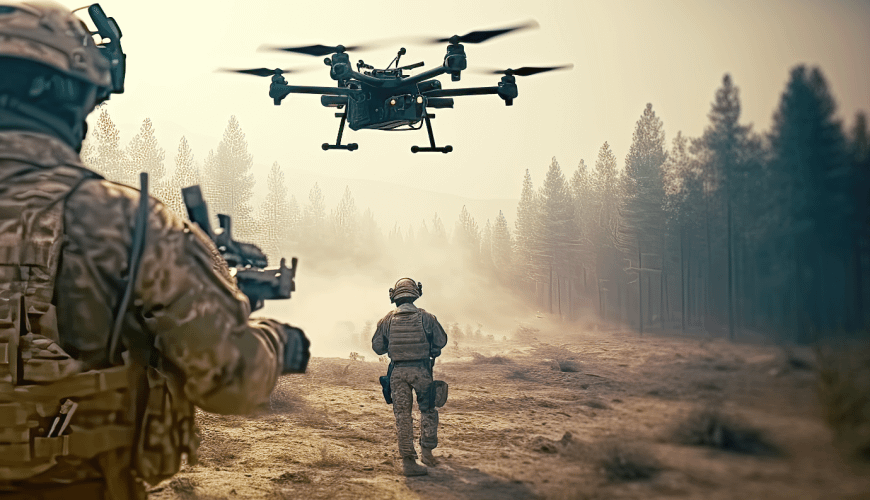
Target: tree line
<point>728,232</point>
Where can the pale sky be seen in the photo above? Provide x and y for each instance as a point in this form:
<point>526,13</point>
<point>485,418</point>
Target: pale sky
<point>671,53</point>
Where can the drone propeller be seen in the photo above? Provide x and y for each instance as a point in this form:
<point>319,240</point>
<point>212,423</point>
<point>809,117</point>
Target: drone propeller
<point>481,35</point>
<point>525,70</point>
<point>320,50</point>
<point>262,71</point>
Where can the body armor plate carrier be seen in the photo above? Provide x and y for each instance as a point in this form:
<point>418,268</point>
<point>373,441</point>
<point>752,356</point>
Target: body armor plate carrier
<point>407,338</point>
<point>50,410</point>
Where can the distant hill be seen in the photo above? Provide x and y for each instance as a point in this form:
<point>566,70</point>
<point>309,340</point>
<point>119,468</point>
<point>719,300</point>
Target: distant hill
<point>392,203</point>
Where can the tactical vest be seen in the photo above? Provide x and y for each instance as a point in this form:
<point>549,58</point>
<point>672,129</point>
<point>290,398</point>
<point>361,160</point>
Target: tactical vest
<point>49,409</point>
<point>407,338</point>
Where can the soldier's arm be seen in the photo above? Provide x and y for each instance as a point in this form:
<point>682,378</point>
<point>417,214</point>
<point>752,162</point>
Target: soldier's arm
<point>439,336</point>
<point>200,319</point>
<point>185,298</point>
<point>380,342</point>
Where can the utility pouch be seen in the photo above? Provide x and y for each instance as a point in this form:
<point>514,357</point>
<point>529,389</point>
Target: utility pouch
<point>385,385</point>
<point>437,393</point>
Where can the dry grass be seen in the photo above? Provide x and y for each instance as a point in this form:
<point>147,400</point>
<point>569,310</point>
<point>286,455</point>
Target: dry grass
<point>621,462</point>
<point>844,389</point>
<point>714,429</point>
<point>329,458</point>
<point>520,374</point>
<point>292,477</point>
<point>490,360</point>
<point>569,366</point>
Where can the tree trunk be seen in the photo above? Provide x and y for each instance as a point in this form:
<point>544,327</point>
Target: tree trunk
<point>730,301</point>
<point>707,305</point>
<point>550,290</point>
<point>639,289</point>
<point>682,280</point>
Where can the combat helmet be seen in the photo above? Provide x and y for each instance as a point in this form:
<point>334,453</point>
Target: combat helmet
<point>406,288</point>
<point>48,33</point>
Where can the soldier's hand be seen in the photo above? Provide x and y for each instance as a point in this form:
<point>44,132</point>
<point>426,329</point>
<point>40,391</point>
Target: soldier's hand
<point>296,351</point>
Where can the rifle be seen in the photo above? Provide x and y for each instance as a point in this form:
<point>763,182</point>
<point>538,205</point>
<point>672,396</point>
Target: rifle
<point>249,262</point>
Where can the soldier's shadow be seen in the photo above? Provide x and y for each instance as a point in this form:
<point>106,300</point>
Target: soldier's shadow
<point>449,480</point>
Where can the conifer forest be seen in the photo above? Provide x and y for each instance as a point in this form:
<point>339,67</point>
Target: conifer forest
<point>735,232</point>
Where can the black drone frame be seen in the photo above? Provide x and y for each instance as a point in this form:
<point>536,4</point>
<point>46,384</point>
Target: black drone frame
<point>355,87</point>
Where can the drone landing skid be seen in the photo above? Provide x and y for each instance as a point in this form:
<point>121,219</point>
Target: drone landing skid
<point>432,147</point>
<point>338,145</point>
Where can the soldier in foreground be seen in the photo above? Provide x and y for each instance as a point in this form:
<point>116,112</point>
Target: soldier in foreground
<point>77,418</point>
<point>413,338</point>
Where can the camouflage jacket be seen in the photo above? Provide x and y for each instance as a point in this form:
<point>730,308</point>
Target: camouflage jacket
<point>184,299</point>
<point>434,332</point>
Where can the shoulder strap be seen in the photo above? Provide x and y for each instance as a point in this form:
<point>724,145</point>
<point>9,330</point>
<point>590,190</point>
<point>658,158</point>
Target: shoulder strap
<point>136,252</point>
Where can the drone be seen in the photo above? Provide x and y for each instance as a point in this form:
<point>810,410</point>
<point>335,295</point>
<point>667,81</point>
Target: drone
<point>390,99</point>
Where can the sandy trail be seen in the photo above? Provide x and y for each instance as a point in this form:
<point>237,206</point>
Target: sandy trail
<point>328,434</point>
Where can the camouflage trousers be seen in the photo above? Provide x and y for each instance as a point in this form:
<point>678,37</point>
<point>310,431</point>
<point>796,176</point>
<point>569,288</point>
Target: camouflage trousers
<point>418,378</point>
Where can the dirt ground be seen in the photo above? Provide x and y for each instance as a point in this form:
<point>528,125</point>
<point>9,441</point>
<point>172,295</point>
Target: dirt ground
<point>517,426</point>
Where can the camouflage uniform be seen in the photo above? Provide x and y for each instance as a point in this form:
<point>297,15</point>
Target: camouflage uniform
<point>65,237</point>
<point>413,338</point>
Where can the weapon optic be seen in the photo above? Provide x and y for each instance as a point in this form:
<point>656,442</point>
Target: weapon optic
<point>246,259</point>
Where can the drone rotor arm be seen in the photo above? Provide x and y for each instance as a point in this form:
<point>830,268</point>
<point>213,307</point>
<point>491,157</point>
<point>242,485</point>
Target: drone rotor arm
<point>426,75</point>
<point>279,91</point>
<point>462,92</point>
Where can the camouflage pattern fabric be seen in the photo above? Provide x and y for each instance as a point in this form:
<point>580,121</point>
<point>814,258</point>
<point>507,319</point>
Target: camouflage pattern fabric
<point>434,331</point>
<point>402,381</point>
<point>186,305</point>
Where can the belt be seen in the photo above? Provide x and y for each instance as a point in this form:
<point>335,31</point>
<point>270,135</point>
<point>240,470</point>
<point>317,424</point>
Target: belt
<point>424,363</point>
<point>87,489</point>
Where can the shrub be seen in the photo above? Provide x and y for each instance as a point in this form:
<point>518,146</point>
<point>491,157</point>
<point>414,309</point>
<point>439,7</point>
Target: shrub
<point>713,429</point>
<point>844,389</point>
<point>627,462</point>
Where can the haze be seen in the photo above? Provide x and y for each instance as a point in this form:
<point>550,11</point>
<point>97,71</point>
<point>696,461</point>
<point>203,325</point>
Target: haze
<point>669,53</point>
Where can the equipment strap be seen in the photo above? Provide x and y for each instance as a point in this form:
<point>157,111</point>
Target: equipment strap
<point>138,248</point>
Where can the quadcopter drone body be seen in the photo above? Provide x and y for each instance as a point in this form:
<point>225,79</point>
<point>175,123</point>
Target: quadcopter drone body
<point>390,99</point>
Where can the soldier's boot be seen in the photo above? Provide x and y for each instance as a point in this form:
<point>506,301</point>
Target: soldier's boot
<point>428,458</point>
<point>410,467</point>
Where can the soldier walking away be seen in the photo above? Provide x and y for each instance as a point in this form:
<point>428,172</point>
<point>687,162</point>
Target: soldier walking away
<point>413,338</point>
<point>78,419</point>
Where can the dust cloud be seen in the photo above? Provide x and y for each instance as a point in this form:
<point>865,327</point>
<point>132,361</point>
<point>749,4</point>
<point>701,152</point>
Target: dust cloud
<point>334,300</point>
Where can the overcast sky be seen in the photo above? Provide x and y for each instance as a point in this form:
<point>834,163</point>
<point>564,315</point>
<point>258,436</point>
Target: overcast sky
<point>672,54</point>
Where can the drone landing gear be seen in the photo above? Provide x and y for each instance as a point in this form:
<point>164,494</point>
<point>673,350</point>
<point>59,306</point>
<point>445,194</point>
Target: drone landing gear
<point>338,145</point>
<point>433,148</point>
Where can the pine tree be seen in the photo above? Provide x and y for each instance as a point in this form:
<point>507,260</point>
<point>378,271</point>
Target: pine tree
<point>345,220</point>
<point>527,233</point>
<point>439,233</point>
<point>642,216</point>
<point>607,199</point>
<point>583,195</point>
<point>146,155</point>
<point>811,162</point>
<point>230,183</point>
<point>275,219</point>
<point>486,247</point>
<point>186,174</point>
<point>501,246</point>
<point>558,242</point>
<point>313,223</point>
<point>722,149</point>
<point>102,152</point>
<point>467,235</point>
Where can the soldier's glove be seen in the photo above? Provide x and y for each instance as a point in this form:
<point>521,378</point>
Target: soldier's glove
<point>296,350</point>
